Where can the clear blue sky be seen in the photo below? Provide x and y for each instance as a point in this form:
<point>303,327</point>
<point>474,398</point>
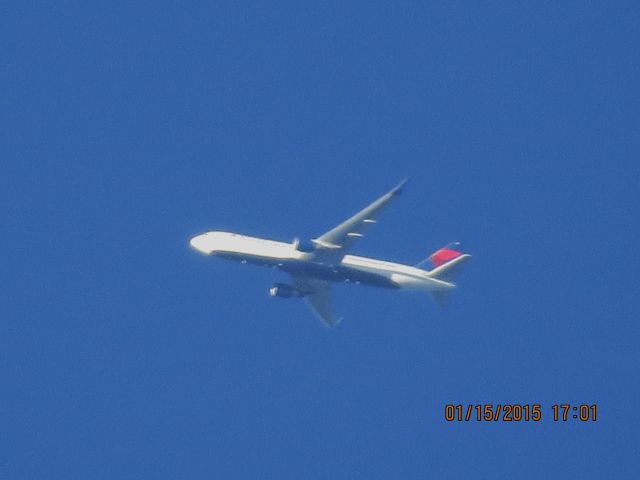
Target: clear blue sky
<point>130,127</point>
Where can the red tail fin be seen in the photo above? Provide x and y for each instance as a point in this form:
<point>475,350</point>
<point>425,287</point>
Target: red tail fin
<point>443,255</point>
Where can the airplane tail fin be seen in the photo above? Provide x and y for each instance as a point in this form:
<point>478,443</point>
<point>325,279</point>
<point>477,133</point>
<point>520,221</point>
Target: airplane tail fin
<point>446,264</point>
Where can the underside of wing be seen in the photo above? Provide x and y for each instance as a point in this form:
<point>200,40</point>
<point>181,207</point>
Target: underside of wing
<point>317,294</point>
<point>333,245</point>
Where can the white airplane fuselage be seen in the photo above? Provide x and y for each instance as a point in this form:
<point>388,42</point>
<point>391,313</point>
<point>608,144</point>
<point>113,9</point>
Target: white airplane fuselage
<point>287,257</point>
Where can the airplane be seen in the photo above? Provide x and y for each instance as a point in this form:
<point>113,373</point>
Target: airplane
<point>315,264</point>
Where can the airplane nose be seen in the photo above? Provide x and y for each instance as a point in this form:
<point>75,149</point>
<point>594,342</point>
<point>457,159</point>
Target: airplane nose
<point>199,243</point>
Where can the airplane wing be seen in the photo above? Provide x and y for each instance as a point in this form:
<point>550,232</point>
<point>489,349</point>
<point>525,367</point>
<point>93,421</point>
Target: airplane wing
<point>332,246</point>
<point>318,297</point>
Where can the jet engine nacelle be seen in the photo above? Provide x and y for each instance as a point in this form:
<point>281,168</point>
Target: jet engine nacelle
<point>305,246</point>
<point>283,290</point>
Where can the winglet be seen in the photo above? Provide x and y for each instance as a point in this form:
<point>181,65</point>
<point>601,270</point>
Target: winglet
<point>398,188</point>
<point>337,323</point>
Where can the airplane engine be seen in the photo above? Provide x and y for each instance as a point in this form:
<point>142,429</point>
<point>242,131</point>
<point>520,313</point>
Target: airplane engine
<point>283,290</point>
<point>305,246</point>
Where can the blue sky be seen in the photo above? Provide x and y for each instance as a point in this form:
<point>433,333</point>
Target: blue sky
<point>129,127</point>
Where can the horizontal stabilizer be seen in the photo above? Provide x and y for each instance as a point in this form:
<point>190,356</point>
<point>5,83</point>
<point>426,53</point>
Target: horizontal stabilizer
<point>449,270</point>
<point>441,297</point>
<point>446,263</point>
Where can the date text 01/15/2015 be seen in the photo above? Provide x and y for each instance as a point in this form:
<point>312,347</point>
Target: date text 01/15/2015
<point>515,412</point>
